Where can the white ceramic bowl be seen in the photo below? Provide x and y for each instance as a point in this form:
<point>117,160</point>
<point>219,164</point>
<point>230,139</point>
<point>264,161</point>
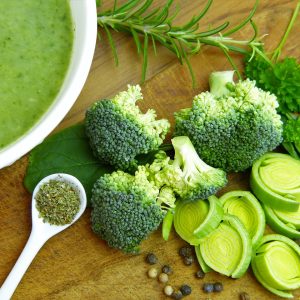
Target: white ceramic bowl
<point>85,22</point>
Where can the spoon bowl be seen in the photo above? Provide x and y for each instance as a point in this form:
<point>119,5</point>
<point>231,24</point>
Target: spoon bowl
<point>40,233</point>
<point>49,230</point>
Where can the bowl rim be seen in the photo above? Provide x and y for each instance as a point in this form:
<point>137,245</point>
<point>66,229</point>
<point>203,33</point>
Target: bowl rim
<point>72,85</point>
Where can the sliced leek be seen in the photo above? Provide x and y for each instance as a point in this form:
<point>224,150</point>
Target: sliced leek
<point>246,207</point>
<point>196,219</point>
<point>276,264</point>
<point>284,222</point>
<point>167,224</point>
<point>227,249</point>
<point>205,268</point>
<point>275,180</point>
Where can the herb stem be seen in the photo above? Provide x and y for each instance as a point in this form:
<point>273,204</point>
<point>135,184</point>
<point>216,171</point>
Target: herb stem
<point>278,50</point>
<point>138,19</point>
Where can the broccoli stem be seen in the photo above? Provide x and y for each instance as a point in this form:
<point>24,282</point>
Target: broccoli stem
<point>218,82</point>
<point>185,149</point>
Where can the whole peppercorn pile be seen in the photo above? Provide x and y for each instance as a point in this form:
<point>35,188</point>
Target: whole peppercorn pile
<point>166,271</point>
<point>163,273</point>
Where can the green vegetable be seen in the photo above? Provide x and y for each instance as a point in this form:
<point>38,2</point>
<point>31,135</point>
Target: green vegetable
<point>127,208</point>
<point>284,222</point>
<point>68,152</point>
<point>291,134</point>
<point>275,181</point>
<point>227,249</point>
<point>246,207</point>
<point>167,225</point>
<point>205,268</point>
<point>187,175</point>
<point>118,131</point>
<point>279,78</point>
<point>276,265</point>
<point>232,125</point>
<point>156,25</point>
<point>282,78</point>
<point>195,220</point>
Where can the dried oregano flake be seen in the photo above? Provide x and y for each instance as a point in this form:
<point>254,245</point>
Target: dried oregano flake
<point>57,202</point>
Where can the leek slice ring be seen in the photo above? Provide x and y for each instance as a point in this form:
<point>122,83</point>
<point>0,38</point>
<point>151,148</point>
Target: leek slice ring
<point>280,225</point>
<point>269,174</point>
<point>227,250</point>
<point>246,207</point>
<point>205,268</point>
<point>193,220</point>
<point>282,275</point>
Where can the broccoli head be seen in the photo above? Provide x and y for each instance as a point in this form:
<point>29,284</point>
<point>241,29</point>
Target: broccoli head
<point>233,124</point>
<point>187,175</point>
<point>118,131</point>
<point>127,208</point>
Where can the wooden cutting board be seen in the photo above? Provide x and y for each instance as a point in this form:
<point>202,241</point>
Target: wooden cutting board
<point>78,265</point>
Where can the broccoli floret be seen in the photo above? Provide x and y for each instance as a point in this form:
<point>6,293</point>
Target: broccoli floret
<point>127,208</point>
<point>118,131</point>
<point>232,127</point>
<point>187,175</point>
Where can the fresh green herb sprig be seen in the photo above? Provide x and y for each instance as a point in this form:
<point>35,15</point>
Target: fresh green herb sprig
<point>148,25</point>
<point>282,78</point>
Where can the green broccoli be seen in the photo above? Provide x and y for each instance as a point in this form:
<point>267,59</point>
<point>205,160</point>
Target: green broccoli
<point>118,131</point>
<point>231,127</point>
<point>127,208</point>
<point>187,175</point>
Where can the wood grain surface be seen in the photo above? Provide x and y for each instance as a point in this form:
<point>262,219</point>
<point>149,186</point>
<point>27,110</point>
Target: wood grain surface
<point>78,265</point>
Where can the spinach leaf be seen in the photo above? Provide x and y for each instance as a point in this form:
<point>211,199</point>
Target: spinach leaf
<point>67,151</point>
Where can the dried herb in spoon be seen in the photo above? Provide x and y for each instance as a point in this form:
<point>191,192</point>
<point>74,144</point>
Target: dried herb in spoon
<point>57,202</point>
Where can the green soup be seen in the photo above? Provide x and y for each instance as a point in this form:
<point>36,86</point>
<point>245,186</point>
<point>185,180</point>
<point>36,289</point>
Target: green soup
<point>36,39</point>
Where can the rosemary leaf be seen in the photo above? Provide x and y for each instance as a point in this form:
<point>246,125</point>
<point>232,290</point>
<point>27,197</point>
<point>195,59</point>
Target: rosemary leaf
<point>139,19</point>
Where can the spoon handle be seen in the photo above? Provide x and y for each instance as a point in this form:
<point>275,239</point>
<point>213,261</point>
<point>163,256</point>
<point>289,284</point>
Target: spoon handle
<point>33,245</point>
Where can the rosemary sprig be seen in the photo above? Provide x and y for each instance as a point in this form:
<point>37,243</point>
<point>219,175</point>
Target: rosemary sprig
<point>147,25</point>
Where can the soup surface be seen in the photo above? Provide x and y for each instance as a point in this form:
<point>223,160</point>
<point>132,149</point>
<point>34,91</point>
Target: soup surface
<point>36,39</point>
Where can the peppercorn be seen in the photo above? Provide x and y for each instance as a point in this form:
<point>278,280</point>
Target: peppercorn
<point>168,290</point>
<point>167,269</point>
<point>185,290</point>
<point>188,260</point>
<point>244,296</point>
<point>208,287</point>
<point>152,273</point>
<point>218,287</point>
<point>151,259</point>
<point>200,274</point>
<point>177,295</point>
<point>163,277</point>
<point>185,251</point>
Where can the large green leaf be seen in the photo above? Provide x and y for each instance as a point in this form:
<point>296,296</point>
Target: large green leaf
<point>67,151</point>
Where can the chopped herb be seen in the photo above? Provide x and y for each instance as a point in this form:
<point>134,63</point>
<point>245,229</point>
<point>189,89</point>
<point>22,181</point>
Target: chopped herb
<point>57,202</point>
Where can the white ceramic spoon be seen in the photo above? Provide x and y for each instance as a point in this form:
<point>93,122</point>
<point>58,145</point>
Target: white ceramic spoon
<point>40,233</point>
